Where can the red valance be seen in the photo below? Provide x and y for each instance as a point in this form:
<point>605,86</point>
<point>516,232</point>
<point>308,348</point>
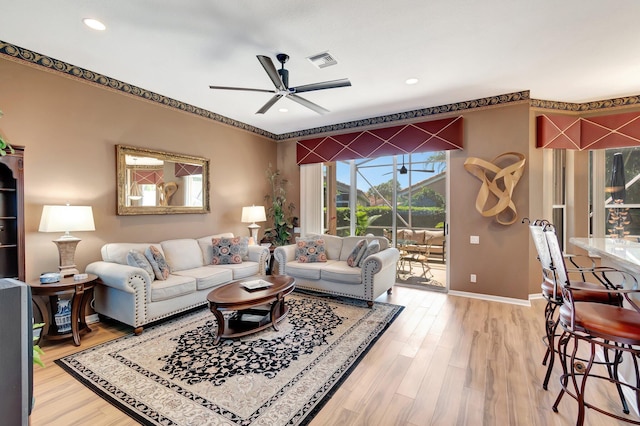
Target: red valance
<point>606,131</point>
<point>183,169</point>
<point>436,135</point>
<point>142,177</point>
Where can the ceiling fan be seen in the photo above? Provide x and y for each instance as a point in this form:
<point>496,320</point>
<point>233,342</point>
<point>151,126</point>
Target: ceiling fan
<point>403,170</point>
<point>280,79</point>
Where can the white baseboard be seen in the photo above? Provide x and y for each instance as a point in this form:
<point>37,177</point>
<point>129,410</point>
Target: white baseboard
<point>90,319</point>
<point>490,298</point>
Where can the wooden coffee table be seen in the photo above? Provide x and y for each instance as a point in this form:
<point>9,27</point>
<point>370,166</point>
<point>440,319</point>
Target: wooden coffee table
<point>265,307</point>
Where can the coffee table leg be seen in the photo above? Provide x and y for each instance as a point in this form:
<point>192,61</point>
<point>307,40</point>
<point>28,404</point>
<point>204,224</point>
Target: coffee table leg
<point>275,313</point>
<point>220,320</point>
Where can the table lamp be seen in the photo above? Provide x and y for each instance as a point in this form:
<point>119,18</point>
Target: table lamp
<point>67,219</point>
<point>252,215</point>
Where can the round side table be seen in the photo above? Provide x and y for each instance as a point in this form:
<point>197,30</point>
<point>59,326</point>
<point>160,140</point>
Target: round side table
<point>81,292</point>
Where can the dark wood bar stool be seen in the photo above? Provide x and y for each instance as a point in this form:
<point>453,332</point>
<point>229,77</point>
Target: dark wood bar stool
<point>593,328</point>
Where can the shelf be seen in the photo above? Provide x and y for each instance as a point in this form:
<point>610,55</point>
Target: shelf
<point>8,218</point>
<point>8,246</point>
<point>7,190</point>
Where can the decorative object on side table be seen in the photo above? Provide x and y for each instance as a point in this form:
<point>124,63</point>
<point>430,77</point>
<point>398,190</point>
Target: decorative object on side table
<point>253,214</point>
<point>65,219</point>
<point>280,234</point>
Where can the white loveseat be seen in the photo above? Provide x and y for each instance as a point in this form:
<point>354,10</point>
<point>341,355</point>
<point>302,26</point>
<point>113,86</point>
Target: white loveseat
<point>130,295</point>
<point>376,275</point>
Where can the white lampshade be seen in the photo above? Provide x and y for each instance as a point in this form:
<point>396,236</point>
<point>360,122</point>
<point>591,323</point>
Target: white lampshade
<point>66,219</point>
<point>253,214</point>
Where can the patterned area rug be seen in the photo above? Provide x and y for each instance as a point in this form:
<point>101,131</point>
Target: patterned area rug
<point>172,374</point>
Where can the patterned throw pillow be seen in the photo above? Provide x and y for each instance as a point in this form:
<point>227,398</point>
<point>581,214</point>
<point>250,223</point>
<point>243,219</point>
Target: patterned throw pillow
<point>158,263</point>
<point>357,253</point>
<point>372,248</point>
<point>229,250</point>
<point>137,258</point>
<point>309,250</point>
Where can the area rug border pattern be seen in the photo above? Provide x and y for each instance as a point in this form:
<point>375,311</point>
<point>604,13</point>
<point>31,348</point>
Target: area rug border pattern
<point>304,415</point>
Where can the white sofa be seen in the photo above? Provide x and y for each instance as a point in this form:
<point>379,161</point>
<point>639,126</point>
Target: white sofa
<point>335,276</point>
<point>130,295</point>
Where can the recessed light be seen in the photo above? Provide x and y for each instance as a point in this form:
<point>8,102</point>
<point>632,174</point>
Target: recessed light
<point>411,81</point>
<point>283,110</point>
<point>94,24</point>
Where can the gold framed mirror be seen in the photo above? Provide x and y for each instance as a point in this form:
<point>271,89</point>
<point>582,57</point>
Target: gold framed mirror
<point>158,182</point>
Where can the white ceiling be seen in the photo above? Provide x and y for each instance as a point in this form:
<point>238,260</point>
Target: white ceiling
<point>568,51</point>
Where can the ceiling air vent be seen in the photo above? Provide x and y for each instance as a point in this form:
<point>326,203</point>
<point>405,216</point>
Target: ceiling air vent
<point>322,60</point>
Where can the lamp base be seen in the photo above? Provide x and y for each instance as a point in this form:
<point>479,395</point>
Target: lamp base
<point>253,229</point>
<point>67,251</point>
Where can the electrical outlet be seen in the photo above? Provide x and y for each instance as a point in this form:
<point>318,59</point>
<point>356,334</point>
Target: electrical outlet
<point>472,278</point>
<point>474,239</point>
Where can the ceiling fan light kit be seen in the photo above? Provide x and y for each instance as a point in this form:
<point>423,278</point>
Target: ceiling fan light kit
<point>280,79</point>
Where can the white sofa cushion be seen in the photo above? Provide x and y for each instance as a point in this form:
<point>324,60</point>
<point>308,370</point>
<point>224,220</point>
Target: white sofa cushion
<point>207,248</point>
<point>207,277</point>
<point>342,273</point>
<point>173,286</point>
<point>309,271</point>
<point>243,270</point>
<point>182,254</point>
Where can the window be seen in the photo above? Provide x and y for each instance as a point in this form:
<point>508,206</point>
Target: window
<point>622,191</point>
<point>558,215</point>
<point>384,193</point>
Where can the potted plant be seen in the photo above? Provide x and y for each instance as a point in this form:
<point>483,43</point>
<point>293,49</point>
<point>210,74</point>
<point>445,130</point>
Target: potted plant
<point>280,233</point>
<point>37,352</point>
<point>4,145</point>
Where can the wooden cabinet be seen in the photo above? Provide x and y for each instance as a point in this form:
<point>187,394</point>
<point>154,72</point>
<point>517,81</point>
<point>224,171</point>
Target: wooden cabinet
<point>12,215</point>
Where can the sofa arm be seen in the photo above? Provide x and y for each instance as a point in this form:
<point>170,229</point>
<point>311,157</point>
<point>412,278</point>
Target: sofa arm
<point>379,261</point>
<point>284,254</point>
<point>121,277</point>
<point>124,293</point>
<point>261,255</point>
<point>379,272</point>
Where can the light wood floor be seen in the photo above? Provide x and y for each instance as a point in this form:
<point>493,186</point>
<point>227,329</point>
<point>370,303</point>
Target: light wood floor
<point>446,360</point>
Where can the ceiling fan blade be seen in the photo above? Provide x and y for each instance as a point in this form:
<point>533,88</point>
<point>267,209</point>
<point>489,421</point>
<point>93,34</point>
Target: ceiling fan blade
<point>271,70</point>
<point>269,104</point>
<point>343,82</point>
<point>248,89</point>
<point>302,101</point>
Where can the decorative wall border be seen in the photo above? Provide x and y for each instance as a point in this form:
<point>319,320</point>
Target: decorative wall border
<point>410,115</point>
<point>587,106</point>
<point>19,54</point>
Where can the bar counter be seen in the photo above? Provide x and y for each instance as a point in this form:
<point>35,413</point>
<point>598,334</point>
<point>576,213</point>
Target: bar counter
<point>621,253</point>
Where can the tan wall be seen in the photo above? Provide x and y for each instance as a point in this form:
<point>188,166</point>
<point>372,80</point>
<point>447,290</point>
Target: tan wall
<point>69,130</point>
<point>291,171</point>
<point>501,260</point>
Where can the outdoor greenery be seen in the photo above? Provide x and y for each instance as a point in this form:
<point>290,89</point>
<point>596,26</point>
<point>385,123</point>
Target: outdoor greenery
<point>421,217</point>
<point>364,221</point>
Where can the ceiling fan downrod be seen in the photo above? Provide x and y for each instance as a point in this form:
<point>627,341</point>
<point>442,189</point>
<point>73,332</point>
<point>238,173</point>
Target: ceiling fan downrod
<point>284,74</point>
